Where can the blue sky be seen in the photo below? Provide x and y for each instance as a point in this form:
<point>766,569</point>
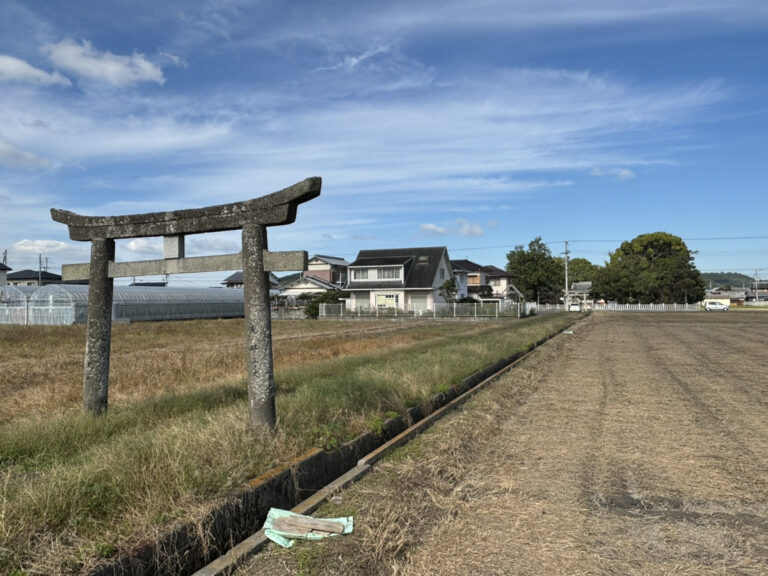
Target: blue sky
<point>478,126</point>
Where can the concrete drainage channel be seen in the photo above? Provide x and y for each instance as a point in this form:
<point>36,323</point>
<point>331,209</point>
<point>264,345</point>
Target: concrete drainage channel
<point>231,532</point>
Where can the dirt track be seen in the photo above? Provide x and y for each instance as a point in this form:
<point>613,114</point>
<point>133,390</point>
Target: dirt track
<point>637,445</point>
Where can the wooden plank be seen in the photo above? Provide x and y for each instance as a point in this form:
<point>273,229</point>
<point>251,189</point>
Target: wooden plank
<point>299,525</point>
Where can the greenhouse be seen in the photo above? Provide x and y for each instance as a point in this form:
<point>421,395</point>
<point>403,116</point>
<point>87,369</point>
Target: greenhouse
<point>13,304</point>
<point>62,304</point>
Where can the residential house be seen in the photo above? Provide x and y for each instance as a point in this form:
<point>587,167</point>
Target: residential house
<point>323,273</point>
<point>500,283</point>
<point>404,278</point>
<point>486,282</point>
<point>328,268</point>
<point>758,292</point>
<point>726,297</point>
<point>460,273</point>
<point>236,281</point>
<point>477,278</point>
<point>307,285</point>
<point>32,278</point>
<point>3,273</point>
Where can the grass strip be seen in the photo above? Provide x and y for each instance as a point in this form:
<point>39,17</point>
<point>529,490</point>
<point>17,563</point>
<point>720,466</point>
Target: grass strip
<point>86,487</point>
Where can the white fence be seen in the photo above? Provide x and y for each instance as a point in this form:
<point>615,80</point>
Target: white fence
<point>612,307</point>
<point>444,311</point>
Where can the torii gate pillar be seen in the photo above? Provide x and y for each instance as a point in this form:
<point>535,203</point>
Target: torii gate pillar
<point>252,217</point>
<point>258,327</point>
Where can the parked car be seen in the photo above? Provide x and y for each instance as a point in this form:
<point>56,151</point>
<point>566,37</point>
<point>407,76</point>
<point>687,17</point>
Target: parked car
<point>574,307</point>
<point>710,306</point>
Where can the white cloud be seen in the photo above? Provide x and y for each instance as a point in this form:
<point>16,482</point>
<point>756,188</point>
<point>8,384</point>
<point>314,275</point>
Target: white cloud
<point>216,243</point>
<point>12,157</point>
<point>623,174</point>
<point>84,61</point>
<point>151,246</point>
<point>41,246</point>
<point>460,227</point>
<point>433,230</point>
<point>15,70</point>
<point>469,228</point>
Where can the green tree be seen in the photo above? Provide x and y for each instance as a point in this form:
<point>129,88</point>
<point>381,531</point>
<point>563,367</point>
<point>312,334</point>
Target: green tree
<point>581,270</point>
<point>656,267</point>
<point>536,272</point>
<point>448,290</point>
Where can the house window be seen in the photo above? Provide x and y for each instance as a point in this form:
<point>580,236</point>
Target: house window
<point>495,281</point>
<point>387,273</point>
<point>360,274</point>
<point>442,273</point>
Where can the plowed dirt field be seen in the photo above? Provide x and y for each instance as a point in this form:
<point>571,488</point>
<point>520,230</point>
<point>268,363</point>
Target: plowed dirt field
<point>636,445</point>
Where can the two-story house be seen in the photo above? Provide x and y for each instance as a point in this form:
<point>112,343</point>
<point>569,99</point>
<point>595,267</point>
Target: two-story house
<point>404,278</point>
<point>328,268</point>
<point>323,274</point>
<point>484,282</point>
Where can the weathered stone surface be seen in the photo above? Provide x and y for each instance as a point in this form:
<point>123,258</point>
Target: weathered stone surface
<point>253,216</point>
<point>99,328</point>
<point>270,210</point>
<point>273,261</point>
<point>173,247</point>
<point>258,327</point>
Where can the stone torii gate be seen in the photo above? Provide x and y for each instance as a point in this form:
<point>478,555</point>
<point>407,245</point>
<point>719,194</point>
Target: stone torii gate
<point>252,217</point>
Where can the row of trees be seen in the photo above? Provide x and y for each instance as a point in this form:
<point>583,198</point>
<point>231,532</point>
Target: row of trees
<point>655,267</point>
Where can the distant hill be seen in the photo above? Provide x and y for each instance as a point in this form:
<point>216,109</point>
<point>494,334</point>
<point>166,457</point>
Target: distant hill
<point>734,279</point>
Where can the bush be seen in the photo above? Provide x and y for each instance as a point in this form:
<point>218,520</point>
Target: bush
<point>312,309</point>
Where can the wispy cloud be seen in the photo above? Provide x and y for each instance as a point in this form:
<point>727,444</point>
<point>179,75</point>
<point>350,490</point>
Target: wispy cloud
<point>15,70</point>
<point>144,246</point>
<point>86,62</point>
<point>38,246</point>
<point>12,157</point>
<point>433,229</point>
<point>459,227</point>
<point>622,174</point>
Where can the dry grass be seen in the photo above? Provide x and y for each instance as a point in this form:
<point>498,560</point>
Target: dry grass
<point>628,448</point>
<point>42,366</point>
<point>74,489</point>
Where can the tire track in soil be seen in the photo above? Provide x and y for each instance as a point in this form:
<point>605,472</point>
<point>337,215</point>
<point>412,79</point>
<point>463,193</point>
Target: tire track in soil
<point>645,501</point>
<point>709,413</point>
<point>601,470</point>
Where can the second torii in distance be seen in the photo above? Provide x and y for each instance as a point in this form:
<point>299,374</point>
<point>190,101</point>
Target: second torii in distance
<point>252,216</point>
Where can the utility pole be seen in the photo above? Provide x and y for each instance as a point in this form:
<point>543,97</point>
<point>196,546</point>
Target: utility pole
<point>566,300</point>
<point>5,257</point>
<point>39,269</point>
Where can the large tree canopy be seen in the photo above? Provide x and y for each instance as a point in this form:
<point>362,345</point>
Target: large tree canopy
<point>655,267</point>
<point>581,270</point>
<point>536,272</point>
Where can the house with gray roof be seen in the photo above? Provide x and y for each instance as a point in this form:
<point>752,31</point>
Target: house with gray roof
<point>328,268</point>
<point>404,278</point>
<point>33,278</point>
